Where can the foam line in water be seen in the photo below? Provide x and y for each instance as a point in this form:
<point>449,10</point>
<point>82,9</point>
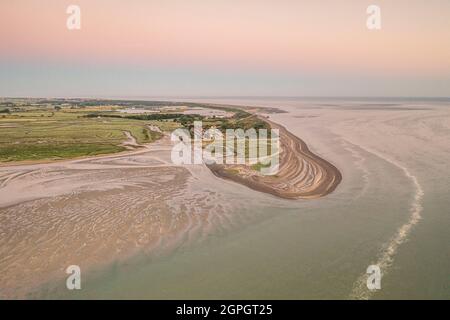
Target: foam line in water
<point>386,257</point>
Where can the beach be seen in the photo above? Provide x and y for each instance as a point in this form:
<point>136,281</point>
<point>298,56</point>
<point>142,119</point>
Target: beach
<point>301,173</point>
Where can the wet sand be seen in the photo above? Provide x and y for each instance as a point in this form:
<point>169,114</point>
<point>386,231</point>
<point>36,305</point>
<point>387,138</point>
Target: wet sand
<point>93,212</point>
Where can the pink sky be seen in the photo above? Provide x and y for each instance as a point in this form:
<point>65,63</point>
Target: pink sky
<point>283,36</point>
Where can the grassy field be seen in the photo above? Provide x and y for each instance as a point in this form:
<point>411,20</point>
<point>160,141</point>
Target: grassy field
<point>48,134</point>
<point>37,129</point>
<point>239,120</point>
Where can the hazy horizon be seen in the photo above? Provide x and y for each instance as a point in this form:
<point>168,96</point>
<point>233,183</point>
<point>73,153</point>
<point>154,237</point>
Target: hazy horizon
<point>177,97</point>
<point>220,48</point>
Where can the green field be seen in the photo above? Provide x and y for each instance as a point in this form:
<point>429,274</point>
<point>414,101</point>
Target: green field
<point>39,129</point>
<point>32,133</point>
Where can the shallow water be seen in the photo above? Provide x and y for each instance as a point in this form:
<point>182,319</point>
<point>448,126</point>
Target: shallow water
<point>391,209</point>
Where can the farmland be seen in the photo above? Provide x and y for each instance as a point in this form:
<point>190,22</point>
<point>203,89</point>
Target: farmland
<point>51,132</point>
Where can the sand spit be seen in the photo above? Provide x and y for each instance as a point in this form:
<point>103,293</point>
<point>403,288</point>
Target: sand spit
<point>301,175</point>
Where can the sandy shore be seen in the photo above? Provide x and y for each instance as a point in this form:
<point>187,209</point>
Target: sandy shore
<point>99,211</point>
<point>301,175</point>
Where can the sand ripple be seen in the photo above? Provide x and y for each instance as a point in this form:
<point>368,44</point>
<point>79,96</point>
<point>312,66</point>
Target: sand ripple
<point>94,212</point>
<point>301,175</point>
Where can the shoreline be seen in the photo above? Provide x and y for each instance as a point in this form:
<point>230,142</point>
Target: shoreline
<point>302,174</point>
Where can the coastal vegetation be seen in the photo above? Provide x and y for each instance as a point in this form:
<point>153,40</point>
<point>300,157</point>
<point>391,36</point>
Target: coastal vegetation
<point>40,130</point>
<point>44,132</point>
<point>52,129</point>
